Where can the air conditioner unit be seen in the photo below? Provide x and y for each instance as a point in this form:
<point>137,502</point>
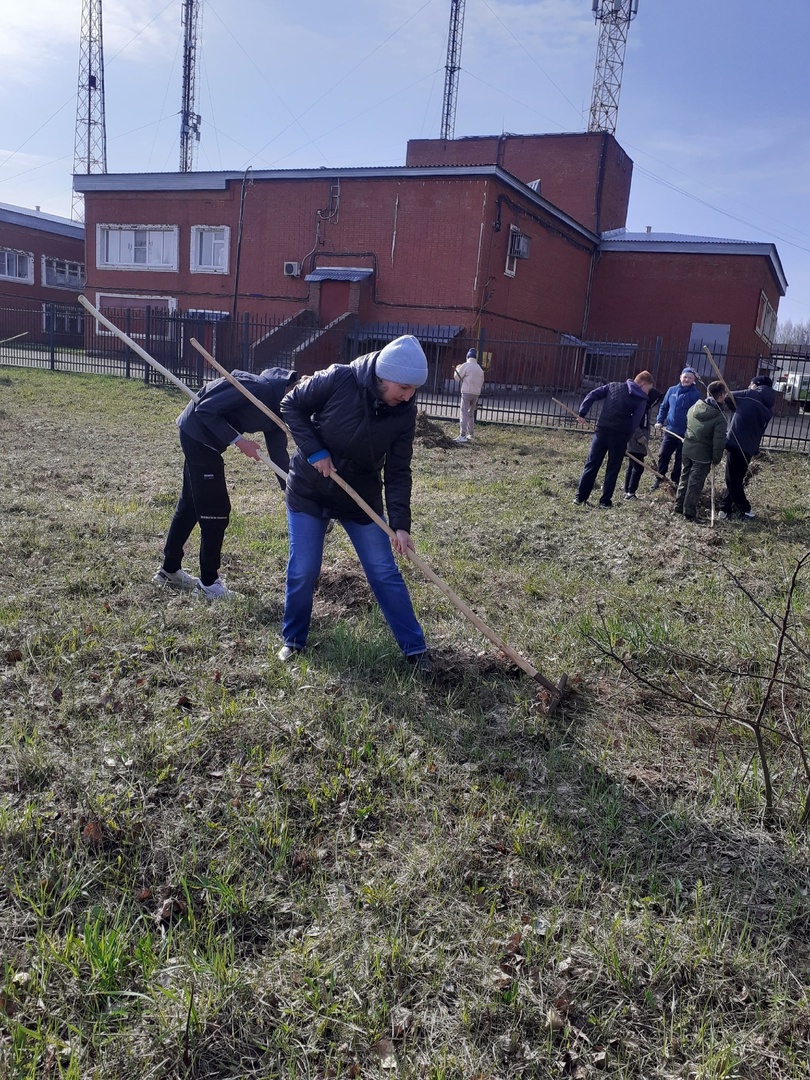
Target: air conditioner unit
<point>292,269</point>
<point>518,245</point>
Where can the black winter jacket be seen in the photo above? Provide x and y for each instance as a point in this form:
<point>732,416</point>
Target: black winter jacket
<point>370,443</point>
<point>222,413</point>
<point>754,409</point>
<point>625,405</point>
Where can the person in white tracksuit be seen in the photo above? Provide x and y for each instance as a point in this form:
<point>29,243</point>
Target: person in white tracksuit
<point>470,375</point>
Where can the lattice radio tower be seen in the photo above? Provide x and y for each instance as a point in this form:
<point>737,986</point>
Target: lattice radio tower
<point>90,143</point>
<point>190,119</point>
<point>615,17</point>
<point>452,68</point>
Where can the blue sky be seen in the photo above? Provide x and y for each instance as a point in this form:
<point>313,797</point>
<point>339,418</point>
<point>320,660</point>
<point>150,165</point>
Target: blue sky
<point>713,110</point>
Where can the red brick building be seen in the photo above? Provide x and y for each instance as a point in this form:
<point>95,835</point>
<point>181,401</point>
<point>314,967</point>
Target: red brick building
<point>517,237</point>
<point>41,274</point>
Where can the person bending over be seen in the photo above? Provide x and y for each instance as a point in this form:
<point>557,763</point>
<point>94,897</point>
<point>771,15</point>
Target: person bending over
<point>207,427</point>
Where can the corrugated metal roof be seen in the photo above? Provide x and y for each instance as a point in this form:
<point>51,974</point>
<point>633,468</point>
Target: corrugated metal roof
<point>666,238</point>
<point>684,243</point>
<point>602,348</point>
<point>35,219</point>
<point>339,273</point>
<point>388,331</point>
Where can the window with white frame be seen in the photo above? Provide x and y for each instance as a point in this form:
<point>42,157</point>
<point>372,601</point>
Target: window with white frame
<point>136,247</point>
<point>766,320</point>
<point>17,266</point>
<point>209,249</point>
<point>62,274</point>
<point>62,319</point>
<point>518,249</point>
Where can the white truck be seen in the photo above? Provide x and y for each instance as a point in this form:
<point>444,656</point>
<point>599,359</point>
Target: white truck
<point>795,385</point>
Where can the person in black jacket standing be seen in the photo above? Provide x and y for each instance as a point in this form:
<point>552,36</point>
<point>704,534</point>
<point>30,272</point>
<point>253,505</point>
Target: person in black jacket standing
<point>753,412</point>
<point>207,427</point>
<point>358,420</point>
<point>624,406</point>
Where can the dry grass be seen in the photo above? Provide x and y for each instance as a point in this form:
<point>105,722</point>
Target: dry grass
<point>215,866</point>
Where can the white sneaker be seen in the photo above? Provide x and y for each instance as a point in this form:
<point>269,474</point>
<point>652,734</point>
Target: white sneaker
<point>721,515</point>
<point>176,579</point>
<point>217,591</point>
<point>460,439</point>
<point>287,653</point>
<point>749,514</point>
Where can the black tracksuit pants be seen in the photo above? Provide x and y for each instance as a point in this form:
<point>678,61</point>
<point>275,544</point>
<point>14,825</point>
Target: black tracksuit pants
<point>203,501</point>
<point>736,467</point>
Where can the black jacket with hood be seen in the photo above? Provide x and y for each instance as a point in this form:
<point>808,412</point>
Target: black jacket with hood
<point>753,411</point>
<point>370,443</point>
<point>222,412</point>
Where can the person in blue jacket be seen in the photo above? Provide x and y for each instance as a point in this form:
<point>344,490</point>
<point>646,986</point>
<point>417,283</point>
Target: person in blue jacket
<point>671,418</point>
<point>753,412</point>
<point>207,427</point>
<point>622,412</point>
<point>358,420</point>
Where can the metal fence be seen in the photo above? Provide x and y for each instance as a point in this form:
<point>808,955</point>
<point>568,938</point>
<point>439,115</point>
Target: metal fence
<point>530,379</point>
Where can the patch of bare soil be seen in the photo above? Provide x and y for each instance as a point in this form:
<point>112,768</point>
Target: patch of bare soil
<point>430,434</point>
<point>342,587</point>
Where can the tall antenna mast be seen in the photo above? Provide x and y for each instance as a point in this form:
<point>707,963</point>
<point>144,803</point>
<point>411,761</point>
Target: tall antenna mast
<point>451,69</point>
<point>615,17</point>
<point>190,119</point>
<point>90,143</point>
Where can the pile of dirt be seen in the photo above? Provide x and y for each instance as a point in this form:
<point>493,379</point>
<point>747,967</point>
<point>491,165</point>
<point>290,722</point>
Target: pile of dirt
<point>431,434</point>
<point>342,586</point>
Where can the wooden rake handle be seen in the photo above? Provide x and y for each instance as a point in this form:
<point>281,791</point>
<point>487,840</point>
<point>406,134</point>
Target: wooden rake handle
<point>144,355</point>
<point>431,575</point>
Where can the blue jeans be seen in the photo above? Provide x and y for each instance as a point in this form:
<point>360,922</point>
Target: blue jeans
<point>377,559</point>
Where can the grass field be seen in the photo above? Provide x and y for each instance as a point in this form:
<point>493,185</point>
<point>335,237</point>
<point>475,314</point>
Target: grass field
<point>213,865</point>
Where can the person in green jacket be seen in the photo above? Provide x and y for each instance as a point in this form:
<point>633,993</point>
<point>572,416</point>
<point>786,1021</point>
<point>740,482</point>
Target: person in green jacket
<point>703,447</point>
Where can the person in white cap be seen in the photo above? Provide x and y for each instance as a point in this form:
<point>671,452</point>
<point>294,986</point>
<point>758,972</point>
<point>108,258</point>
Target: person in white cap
<point>470,375</point>
<point>357,419</point>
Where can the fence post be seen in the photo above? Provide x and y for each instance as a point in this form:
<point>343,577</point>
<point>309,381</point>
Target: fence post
<point>147,326</point>
<point>51,325</point>
<point>128,332</point>
<point>245,339</point>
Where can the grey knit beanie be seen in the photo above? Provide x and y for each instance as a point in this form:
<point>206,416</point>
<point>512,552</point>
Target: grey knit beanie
<point>403,361</point>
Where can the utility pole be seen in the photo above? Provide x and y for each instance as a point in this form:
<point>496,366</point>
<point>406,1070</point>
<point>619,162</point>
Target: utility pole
<point>190,119</point>
<point>90,143</point>
<point>451,69</point>
<point>615,17</point>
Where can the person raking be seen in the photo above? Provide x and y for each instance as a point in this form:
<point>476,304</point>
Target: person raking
<point>208,426</point>
<point>470,376</point>
<point>357,419</point>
